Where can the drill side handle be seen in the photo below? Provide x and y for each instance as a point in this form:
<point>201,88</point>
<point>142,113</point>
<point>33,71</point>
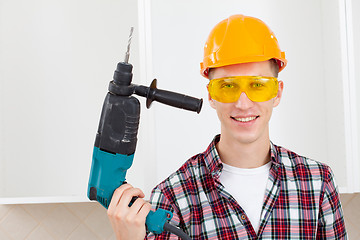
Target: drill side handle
<point>169,98</point>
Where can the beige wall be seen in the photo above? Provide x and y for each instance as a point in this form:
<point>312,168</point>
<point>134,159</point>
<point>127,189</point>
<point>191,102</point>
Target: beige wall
<point>351,207</point>
<point>77,221</point>
<point>72,221</point>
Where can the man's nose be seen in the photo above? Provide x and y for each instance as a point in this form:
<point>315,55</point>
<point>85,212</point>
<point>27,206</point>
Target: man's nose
<point>244,102</point>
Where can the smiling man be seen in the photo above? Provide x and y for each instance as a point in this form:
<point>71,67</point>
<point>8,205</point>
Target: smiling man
<point>242,186</point>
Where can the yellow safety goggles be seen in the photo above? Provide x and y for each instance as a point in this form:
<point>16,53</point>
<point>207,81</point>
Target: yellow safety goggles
<point>256,88</point>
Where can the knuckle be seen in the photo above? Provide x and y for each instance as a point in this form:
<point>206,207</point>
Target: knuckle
<point>117,191</point>
<point>118,217</point>
<point>123,187</point>
<point>110,214</point>
<point>129,220</point>
<point>126,186</point>
<point>131,190</point>
<point>139,222</point>
<point>138,189</point>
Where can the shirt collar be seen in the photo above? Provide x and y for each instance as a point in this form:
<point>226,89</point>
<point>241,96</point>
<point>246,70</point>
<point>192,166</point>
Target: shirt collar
<point>214,164</point>
<point>274,154</point>
<point>212,158</point>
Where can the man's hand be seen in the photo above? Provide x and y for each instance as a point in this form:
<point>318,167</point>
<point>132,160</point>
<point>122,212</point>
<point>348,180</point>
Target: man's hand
<point>127,222</point>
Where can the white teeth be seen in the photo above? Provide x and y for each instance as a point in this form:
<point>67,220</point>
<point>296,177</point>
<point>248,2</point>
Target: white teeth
<point>245,119</point>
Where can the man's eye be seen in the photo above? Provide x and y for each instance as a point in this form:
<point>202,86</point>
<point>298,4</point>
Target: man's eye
<point>257,85</point>
<point>228,85</point>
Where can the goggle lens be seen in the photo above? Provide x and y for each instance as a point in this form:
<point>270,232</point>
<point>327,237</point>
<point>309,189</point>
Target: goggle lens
<point>257,88</point>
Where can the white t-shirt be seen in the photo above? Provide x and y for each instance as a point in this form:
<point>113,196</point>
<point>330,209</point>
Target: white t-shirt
<point>247,186</point>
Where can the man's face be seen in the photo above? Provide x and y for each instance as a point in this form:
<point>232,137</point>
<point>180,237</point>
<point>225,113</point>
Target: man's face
<point>245,121</point>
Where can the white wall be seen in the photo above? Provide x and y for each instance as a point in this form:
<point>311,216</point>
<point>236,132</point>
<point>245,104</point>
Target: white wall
<point>356,54</point>
<point>56,59</point>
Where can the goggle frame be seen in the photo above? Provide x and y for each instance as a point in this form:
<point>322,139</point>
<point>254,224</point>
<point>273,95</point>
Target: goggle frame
<point>256,88</point>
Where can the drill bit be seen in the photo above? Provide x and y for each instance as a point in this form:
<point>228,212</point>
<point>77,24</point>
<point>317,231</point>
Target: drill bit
<point>127,54</point>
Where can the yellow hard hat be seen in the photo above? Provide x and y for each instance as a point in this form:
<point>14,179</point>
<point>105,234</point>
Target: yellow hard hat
<point>240,39</point>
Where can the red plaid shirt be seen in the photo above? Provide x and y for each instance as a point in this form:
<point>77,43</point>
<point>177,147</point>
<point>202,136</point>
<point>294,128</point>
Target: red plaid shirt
<point>301,200</point>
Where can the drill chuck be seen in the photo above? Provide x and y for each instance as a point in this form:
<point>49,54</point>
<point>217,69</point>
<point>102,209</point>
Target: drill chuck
<point>123,74</point>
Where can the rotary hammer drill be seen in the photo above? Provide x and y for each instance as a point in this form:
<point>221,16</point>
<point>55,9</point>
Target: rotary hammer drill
<point>116,138</point>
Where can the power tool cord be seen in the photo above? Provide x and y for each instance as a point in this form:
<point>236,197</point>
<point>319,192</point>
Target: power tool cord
<point>170,228</point>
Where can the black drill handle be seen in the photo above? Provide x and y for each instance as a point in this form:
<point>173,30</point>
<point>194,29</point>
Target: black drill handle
<point>174,99</point>
<point>169,98</point>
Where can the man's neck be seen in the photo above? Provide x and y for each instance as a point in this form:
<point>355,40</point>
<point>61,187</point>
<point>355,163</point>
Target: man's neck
<point>244,155</point>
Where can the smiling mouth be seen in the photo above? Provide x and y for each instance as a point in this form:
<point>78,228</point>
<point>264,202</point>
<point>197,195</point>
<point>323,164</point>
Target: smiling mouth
<point>247,119</point>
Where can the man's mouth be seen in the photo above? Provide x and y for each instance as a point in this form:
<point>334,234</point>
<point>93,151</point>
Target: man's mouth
<point>247,119</point>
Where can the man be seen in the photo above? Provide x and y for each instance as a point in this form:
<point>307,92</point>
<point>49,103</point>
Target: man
<point>243,186</point>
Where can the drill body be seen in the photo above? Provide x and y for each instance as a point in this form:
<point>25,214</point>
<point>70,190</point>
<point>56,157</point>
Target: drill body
<point>116,138</point>
<point>115,144</point>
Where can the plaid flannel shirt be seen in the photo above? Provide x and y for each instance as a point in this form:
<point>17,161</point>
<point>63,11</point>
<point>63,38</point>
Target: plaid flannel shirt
<point>301,200</point>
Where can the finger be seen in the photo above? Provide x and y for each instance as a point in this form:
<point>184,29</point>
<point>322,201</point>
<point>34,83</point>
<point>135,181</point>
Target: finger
<point>123,211</point>
<point>145,209</point>
<point>137,205</point>
<point>128,194</point>
<point>139,211</point>
<point>117,196</point>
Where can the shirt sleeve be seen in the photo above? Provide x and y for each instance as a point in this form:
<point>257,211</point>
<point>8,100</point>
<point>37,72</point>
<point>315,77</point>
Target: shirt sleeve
<point>159,200</point>
<point>331,221</point>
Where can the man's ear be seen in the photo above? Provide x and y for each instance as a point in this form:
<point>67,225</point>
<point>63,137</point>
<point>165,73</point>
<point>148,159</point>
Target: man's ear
<point>279,94</point>
<point>211,101</point>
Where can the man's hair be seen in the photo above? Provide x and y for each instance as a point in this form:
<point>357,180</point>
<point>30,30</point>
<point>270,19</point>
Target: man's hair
<point>274,67</point>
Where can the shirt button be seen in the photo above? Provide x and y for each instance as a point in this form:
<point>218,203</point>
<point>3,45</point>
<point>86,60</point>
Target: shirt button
<point>243,217</point>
